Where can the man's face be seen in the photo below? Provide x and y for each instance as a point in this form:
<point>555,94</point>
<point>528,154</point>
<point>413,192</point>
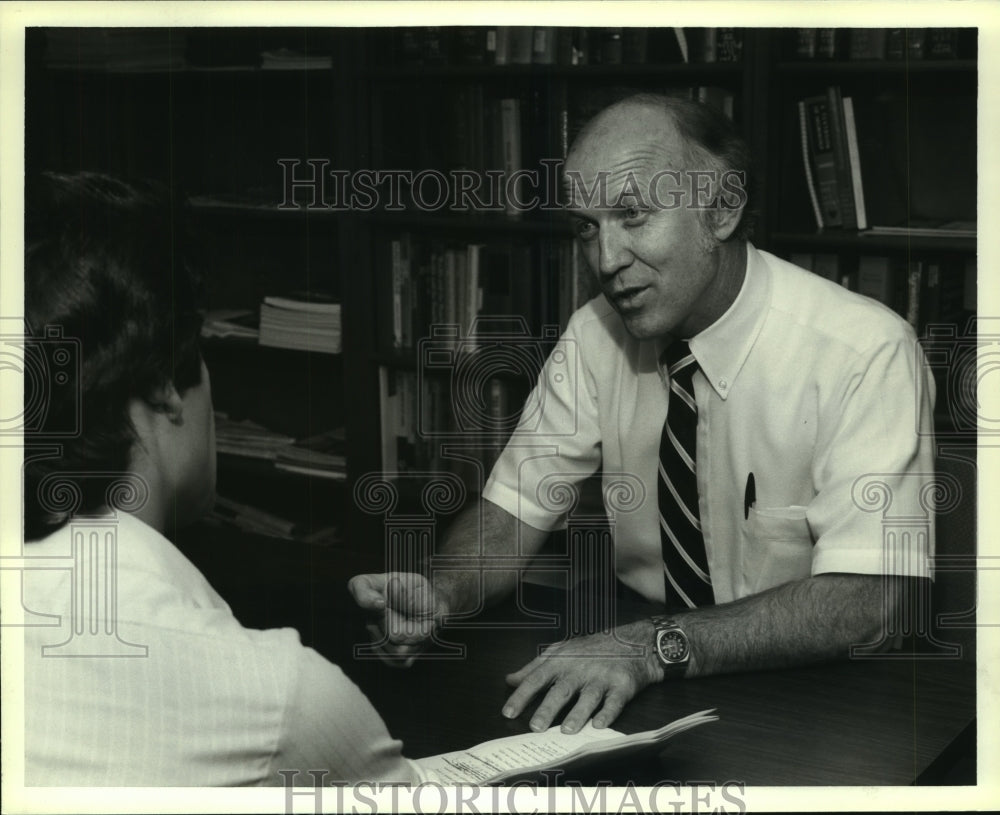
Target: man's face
<point>652,251</point>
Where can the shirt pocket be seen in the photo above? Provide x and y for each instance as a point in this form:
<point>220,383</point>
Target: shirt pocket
<point>778,549</point>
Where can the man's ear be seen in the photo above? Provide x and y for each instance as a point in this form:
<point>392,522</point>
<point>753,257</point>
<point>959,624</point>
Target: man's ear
<point>166,400</point>
<point>723,222</point>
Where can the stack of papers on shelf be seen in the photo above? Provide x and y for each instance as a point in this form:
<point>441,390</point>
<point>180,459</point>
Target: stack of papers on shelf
<point>248,439</point>
<point>231,323</point>
<point>321,455</point>
<point>524,756</point>
<point>250,519</point>
<point>307,323</point>
<point>928,229</point>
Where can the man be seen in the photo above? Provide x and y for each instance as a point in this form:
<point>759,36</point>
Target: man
<point>142,676</point>
<point>792,388</point>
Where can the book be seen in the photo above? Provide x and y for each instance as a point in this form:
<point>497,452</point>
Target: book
<point>928,228</point>
<point>875,278</point>
<point>729,45</point>
<point>300,325</point>
<point>881,132</point>
<point>519,43</point>
<point>719,98</point>
<point>321,454</point>
<point>826,43</point>
<point>804,140</point>
<point>854,161</point>
<point>867,43</point>
<point>682,44</point>
<point>510,130</point>
<point>822,160</point>
<point>611,46</point>
<point>635,46</point>
<point>841,158</point>
<point>248,439</point>
<point>507,759</point>
<point>914,292</point>
<point>543,47</point>
<point>802,43</point>
<point>827,265</point>
<point>235,323</point>
<point>501,50</point>
<point>250,519</point>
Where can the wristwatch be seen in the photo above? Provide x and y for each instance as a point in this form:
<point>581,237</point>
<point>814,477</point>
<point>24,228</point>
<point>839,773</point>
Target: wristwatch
<point>672,646</point>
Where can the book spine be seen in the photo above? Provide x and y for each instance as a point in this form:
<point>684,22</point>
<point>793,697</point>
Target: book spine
<point>520,42</point>
<point>838,133</point>
<point>510,125</point>
<point>914,289</point>
<point>473,292</point>
<point>387,415</point>
<point>635,46</point>
<point>826,43</point>
<point>710,45</point>
<point>611,51</point>
<point>450,289</point>
<point>543,47</point>
<point>867,43</point>
<point>729,45</point>
<point>827,265</point>
<point>501,55</point>
<point>824,166</point>
<point>397,294</point>
<point>807,164</point>
<point>804,44</point>
<point>875,279</point>
<point>854,158</point>
<point>682,44</point>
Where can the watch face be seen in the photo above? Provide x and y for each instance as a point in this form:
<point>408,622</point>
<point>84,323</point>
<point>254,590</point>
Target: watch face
<point>673,646</point>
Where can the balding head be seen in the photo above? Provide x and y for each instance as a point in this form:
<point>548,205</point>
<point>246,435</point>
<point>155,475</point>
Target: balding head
<point>665,133</point>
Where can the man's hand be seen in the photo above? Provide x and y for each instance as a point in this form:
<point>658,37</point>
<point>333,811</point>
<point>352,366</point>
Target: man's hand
<point>600,670</point>
<point>404,609</point>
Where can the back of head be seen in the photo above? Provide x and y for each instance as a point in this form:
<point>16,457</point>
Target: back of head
<point>106,282</point>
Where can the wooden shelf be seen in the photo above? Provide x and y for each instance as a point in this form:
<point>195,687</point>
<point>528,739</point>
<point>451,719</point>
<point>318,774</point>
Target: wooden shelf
<point>688,71</point>
<point>555,223</point>
<point>875,66</point>
<point>865,241</point>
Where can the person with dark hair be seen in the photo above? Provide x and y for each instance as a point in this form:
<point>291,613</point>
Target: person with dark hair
<point>743,400</point>
<point>158,683</point>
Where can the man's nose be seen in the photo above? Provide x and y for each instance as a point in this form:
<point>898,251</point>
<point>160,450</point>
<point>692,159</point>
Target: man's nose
<point>615,252</point>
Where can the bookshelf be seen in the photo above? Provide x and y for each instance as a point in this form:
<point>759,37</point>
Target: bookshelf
<point>208,117</point>
<point>431,71</point>
<point>209,113</point>
<point>913,93</point>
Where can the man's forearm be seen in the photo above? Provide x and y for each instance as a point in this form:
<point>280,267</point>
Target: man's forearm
<point>801,622</point>
<point>491,542</point>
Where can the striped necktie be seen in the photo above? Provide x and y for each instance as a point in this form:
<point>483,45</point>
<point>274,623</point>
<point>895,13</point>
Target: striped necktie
<point>685,564</point>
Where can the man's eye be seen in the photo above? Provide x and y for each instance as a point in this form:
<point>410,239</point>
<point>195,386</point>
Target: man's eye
<point>585,229</point>
<point>635,214</point>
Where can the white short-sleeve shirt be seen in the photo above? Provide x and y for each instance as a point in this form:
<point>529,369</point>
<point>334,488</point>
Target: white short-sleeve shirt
<point>821,394</point>
<point>192,698</point>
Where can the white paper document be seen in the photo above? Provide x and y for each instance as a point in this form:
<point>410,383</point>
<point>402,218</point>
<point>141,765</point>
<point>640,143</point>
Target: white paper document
<point>527,754</point>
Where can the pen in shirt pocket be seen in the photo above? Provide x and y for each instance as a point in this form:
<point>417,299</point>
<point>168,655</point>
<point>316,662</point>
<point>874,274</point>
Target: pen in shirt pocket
<point>749,496</point>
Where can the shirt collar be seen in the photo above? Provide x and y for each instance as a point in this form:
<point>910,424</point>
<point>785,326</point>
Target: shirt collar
<point>723,347</point>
